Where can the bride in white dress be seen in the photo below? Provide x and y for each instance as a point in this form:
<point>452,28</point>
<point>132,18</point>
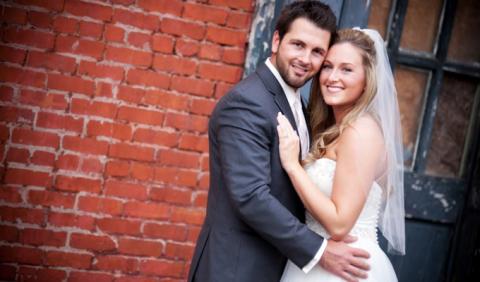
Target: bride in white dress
<point>352,181</point>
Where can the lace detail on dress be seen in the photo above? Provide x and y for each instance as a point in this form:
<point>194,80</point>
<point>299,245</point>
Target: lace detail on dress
<point>321,172</point>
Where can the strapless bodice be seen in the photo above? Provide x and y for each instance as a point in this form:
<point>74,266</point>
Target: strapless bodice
<point>321,172</point>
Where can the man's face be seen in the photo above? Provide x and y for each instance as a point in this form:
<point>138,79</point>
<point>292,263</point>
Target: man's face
<point>300,53</point>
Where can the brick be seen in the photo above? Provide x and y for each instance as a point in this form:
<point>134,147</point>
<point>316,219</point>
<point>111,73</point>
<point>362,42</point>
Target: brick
<point>67,162</point>
<point>39,19</point>
<point>139,247</point>
<point>70,84</point>
<point>167,100</point>
<point>40,274</point>
<point>130,94</point>
<point>10,195</point>
<point>193,233</point>
<point>141,171</point>
<point>77,184</point>
<point>115,263</point>
<point>71,220</point>
<point>75,45</point>
<point>198,87</point>
<point>8,233</point>
<point>148,78</point>
<point>188,215</point>
<point>29,37</point>
<point>221,89</point>
<point>91,242</point>
<point>17,155</point>
<point>170,195</point>
<point>206,13</point>
<point>85,145</point>
<point>140,20</point>
<point>225,73</point>
<point>178,158</point>
<point>186,48</point>
<point>51,61</point>
<point>140,40</point>
<point>226,36</point>
<point>138,278</point>
<point>54,121</point>
<point>42,237</point>
<point>6,93</point>
<point>174,65</point>
<point>123,2</point>
<point>200,200</point>
<point>91,165</point>
<point>194,143</point>
<point>128,56</point>
<point>162,43</point>
<point>90,29</point>
<point>43,158</point>
<point>166,231</point>
<point>94,11</point>
<point>12,55</point>
<point>239,20</point>
<point>22,255</point>
<point>16,115</point>
<point>162,267</point>
<point>140,115</point>
<point>183,28</point>
<point>22,215</point>
<point>27,177</point>
<point>119,226</point>
<point>204,181</point>
<point>76,276</point>
<point>147,210</point>
<point>14,15</point>
<point>65,25</point>
<point>73,260</point>
<point>100,205</point>
<point>123,189</point>
<point>117,168</point>
<point>233,56</point>
<point>93,108</point>
<point>22,77</point>
<point>96,70</point>
<point>51,198</point>
<point>108,129</point>
<point>43,99</point>
<point>114,33</point>
<point>49,5</point>
<point>246,5</point>
<point>173,7</point>
<point>210,52</point>
<point>186,122</point>
<point>156,137</point>
<point>175,250</point>
<point>202,106</point>
<point>131,152</point>
<point>8,272</point>
<point>170,175</point>
<point>103,89</point>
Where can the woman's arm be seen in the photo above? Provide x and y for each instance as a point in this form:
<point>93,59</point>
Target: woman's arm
<point>359,153</point>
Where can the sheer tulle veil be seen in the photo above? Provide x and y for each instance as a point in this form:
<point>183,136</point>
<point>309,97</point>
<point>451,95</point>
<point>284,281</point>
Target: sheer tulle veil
<point>385,107</point>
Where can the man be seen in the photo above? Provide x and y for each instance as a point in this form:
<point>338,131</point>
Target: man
<point>254,217</point>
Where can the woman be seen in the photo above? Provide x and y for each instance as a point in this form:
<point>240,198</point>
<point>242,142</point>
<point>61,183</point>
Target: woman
<point>352,181</point>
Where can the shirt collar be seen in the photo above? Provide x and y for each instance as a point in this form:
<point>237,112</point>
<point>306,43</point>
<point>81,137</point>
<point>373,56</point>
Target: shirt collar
<point>291,93</point>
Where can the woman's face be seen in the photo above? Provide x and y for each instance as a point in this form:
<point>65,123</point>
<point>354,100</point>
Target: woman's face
<point>342,76</point>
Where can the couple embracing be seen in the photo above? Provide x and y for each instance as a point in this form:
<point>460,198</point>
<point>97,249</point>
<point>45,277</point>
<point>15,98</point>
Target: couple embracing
<point>297,192</point>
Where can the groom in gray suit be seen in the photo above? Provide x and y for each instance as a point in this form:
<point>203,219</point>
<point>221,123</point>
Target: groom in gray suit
<point>255,220</point>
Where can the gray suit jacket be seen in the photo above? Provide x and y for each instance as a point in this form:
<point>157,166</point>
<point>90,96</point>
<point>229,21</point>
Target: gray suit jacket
<point>254,217</point>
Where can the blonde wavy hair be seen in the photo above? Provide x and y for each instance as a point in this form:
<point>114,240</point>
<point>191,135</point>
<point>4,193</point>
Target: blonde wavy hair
<point>324,129</point>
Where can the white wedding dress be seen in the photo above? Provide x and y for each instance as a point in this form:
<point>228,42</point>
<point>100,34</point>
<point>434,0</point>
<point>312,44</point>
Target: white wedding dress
<point>365,229</point>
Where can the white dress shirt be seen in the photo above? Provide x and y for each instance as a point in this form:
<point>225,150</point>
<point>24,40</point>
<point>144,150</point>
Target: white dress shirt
<point>294,100</point>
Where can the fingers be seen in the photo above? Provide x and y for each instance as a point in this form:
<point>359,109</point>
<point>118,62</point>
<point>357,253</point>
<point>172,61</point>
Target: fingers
<point>356,273</point>
<point>360,264</point>
<point>359,253</point>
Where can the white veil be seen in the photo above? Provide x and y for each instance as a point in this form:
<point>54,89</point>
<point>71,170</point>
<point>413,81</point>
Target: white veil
<point>385,107</point>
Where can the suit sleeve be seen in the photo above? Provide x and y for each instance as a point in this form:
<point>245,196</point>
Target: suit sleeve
<point>244,136</point>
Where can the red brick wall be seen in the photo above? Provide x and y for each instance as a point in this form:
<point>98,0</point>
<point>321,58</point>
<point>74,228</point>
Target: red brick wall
<point>104,107</point>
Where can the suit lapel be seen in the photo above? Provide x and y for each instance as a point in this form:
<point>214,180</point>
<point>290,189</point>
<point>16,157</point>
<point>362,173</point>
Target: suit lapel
<point>307,119</point>
<point>274,88</point>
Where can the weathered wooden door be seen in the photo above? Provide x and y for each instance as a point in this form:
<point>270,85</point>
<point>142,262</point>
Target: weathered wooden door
<point>434,49</point>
